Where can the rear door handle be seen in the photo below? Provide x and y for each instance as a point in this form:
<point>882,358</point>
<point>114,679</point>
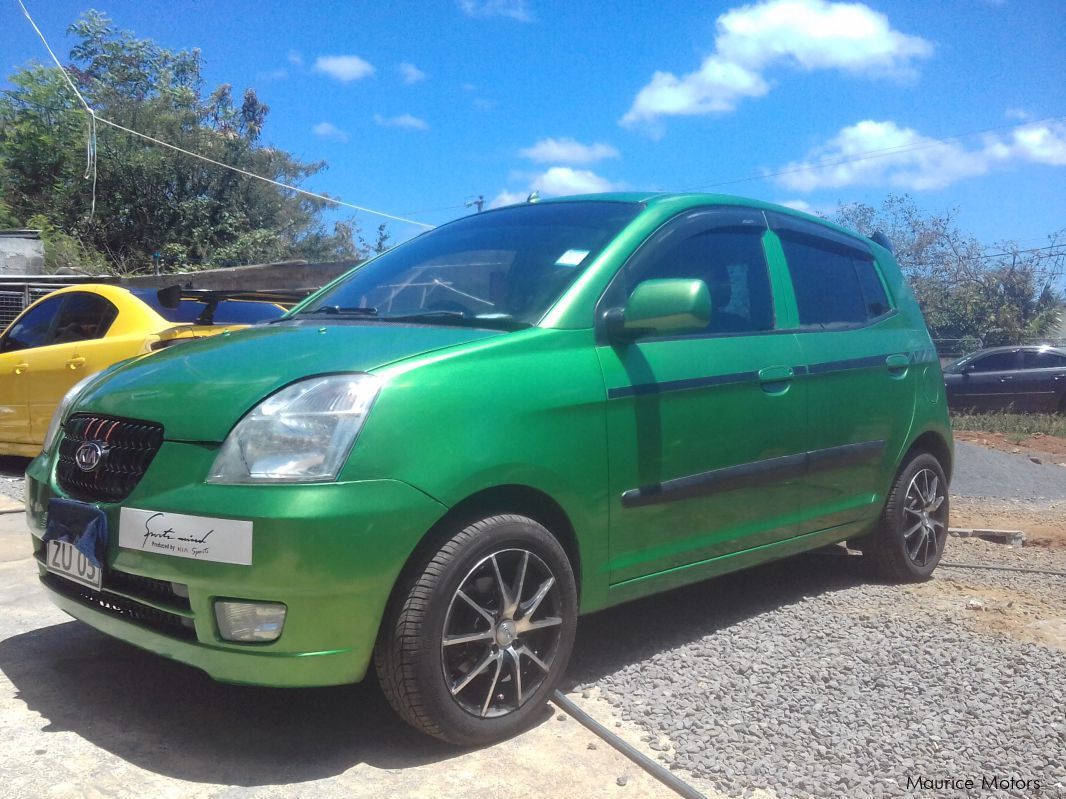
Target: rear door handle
<point>897,363</point>
<point>776,379</point>
<point>776,374</point>
<point>21,367</point>
<point>74,363</point>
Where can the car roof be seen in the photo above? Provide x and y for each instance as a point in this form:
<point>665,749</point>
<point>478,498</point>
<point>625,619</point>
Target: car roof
<point>683,200</point>
<point>1029,347</point>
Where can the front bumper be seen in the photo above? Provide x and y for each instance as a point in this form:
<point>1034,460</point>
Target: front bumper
<point>330,552</point>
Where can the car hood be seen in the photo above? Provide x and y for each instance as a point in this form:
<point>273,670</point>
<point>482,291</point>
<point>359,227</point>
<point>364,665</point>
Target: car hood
<point>199,390</point>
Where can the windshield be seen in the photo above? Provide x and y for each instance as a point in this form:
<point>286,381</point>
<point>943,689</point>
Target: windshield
<point>501,268</point>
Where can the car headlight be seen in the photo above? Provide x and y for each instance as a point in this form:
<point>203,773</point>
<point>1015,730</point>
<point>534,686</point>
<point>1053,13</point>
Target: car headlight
<point>301,434</point>
<point>63,408</point>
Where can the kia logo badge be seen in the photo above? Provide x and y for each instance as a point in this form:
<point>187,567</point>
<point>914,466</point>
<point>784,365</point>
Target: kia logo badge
<point>88,456</point>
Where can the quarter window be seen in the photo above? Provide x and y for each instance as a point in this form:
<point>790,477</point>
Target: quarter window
<point>84,316</point>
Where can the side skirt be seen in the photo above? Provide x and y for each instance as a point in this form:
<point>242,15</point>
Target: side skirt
<point>735,561</point>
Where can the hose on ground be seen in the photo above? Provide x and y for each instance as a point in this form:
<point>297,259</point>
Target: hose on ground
<point>667,778</point>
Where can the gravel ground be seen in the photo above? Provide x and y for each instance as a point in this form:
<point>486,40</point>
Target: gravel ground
<point>804,679</point>
<point>11,472</point>
<point>981,472</point>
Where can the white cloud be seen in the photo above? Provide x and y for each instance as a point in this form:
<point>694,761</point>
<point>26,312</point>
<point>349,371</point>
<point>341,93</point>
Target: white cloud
<point>508,198</point>
<point>515,9</point>
<point>275,74</point>
<point>344,68</point>
<point>558,181</point>
<point>410,73</point>
<point>563,180</point>
<point>401,121</point>
<point>295,58</point>
<point>802,34</point>
<point>327,130</point>
<point>883,153</point>
<point>799,205</point>
<point>1041,144</point>
<point>567,151</point>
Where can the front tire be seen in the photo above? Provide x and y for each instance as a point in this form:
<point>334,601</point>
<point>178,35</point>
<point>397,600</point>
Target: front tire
<point>910,539</point>
<point>477,637</point>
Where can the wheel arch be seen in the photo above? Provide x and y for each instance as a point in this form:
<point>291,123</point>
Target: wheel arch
<point>518,499</point>
<point>936,445</point>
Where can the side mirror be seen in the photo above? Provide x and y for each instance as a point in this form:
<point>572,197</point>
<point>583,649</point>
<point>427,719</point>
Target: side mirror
<point>662,306</point>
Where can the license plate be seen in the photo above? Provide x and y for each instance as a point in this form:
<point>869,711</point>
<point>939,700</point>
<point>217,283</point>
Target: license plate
<point>64,559</point>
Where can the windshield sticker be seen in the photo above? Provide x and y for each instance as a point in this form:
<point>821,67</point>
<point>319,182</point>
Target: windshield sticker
<point>572,258</point>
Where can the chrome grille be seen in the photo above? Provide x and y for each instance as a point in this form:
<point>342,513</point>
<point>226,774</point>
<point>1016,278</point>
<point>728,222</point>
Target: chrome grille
<point>127,449</point>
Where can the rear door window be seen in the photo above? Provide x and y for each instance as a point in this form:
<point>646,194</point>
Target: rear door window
<point>834,286</point>
<point>1034,359</point>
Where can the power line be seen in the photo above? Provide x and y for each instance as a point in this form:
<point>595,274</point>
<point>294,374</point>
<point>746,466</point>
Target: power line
<point>91,146</point>
<point>872,154</point>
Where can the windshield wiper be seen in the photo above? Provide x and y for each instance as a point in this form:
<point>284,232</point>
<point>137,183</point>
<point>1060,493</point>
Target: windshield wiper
<point>442,316</point>
<point>337,310</point>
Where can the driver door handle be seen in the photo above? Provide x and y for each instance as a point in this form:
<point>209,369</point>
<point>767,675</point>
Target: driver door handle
<point>74,363</point>
<point>21,367</point>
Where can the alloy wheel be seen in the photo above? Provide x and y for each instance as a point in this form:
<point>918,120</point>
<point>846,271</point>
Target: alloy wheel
<point>501,633</point>
<point>924,518</point>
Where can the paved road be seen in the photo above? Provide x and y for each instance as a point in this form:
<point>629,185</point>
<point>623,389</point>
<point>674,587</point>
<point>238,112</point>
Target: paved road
<point>982,472</point>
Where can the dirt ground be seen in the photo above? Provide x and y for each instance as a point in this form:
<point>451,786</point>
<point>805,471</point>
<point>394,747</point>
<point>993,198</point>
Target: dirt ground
<point>1026,607</point>
<point>1044,525</point>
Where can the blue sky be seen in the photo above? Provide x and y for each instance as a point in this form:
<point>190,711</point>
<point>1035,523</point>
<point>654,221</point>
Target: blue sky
<point>419,107</point>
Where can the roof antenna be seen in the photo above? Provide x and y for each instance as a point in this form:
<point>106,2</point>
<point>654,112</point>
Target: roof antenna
<point>533,197</point>
<point>880,238</point>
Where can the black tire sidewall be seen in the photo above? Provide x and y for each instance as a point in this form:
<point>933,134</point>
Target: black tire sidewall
<point>893,523</point>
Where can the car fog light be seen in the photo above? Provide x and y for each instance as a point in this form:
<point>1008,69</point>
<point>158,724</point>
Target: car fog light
<point>249,621</point>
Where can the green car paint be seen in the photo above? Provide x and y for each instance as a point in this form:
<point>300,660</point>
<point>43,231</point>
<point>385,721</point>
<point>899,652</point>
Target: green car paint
<point>656,460</point>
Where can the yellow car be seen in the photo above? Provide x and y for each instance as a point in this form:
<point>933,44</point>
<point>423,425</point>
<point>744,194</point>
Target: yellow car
<point>76,331</point>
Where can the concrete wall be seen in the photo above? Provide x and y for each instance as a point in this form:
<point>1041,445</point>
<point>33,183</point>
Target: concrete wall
<point>21,253</point>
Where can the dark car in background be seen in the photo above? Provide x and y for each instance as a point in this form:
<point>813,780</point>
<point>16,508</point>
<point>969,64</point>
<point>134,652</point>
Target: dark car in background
<point>1029,379</point>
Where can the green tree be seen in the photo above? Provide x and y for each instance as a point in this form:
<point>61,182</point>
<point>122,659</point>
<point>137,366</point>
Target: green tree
<point>152,199</point>
<point>998,294</point>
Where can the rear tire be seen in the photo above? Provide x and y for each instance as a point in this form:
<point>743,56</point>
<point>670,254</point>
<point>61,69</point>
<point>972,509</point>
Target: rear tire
<point>910,538</point>
<point>478,636</point>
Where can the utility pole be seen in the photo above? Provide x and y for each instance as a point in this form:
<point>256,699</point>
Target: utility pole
<point>478,203</point>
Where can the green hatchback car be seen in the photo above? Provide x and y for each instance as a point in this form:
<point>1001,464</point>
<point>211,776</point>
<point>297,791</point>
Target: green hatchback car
<point>436,463</point>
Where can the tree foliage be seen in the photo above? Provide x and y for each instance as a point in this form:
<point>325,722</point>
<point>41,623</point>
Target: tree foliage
<point>997,294</point>
<point>151,199</point>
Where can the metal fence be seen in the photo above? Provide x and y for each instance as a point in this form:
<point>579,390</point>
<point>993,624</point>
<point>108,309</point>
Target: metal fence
<point>14,297</point>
